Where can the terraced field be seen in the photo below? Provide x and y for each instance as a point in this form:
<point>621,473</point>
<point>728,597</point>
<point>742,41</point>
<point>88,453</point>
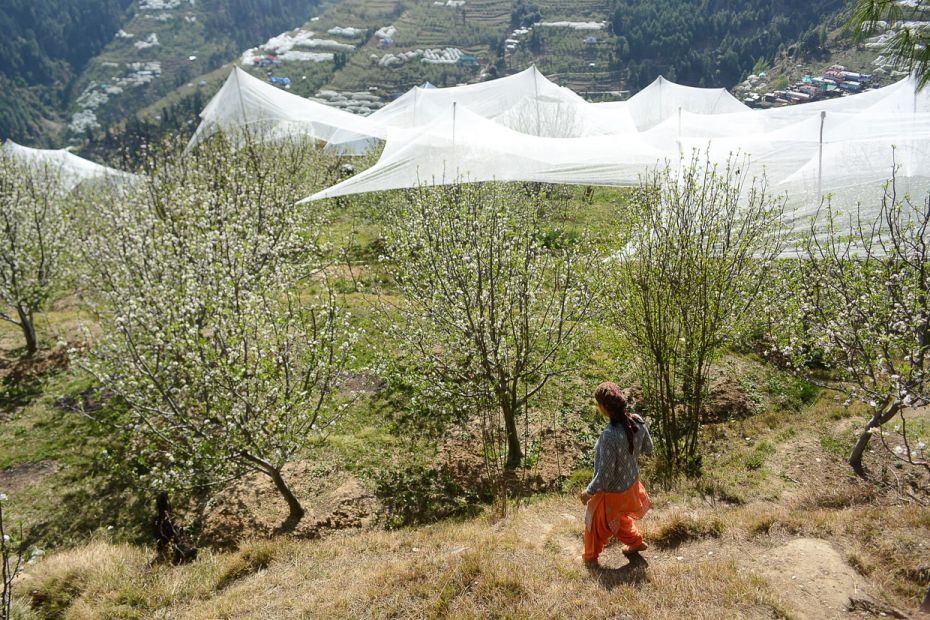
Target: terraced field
<point>479,27</point>
<point>392,39</point>
<point>476,28</point>
<point>582,59</point>
<point>167,44</point>
<point>493,13</point>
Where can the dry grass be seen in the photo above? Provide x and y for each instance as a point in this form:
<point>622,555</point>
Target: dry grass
<point>524,566</point>
<point>68,584</point>
<point>527,565</point>
<point>769,478</point>
<point>678,527</point>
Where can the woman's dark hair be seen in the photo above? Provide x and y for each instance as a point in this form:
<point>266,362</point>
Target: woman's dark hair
<point>609,396</point>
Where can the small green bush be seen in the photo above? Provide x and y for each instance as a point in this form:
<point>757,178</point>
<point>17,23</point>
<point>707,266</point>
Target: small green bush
<point>834,446</point>
<point>415,494</point>
<point>578,481</point>
<point>756,459</point>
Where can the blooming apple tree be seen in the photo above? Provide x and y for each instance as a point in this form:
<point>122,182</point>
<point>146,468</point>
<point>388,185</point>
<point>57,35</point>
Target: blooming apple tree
<point>860,305</point>
<point>34,235</point>
<point>219,332</point>
<point>489,308</point>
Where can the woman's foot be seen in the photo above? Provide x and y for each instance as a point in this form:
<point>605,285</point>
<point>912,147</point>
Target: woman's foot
<point>630,550</point>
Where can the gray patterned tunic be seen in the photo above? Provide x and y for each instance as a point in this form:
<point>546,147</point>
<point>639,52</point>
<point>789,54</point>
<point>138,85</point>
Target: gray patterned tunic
<point>615,467</point>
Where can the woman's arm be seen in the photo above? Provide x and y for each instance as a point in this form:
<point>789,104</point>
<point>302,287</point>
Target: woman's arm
<point>604,461</point>
<point>648,446</point>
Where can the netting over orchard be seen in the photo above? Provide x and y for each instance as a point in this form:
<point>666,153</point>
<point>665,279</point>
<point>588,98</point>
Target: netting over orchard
<point>69,169</point>
<point>526,128</point>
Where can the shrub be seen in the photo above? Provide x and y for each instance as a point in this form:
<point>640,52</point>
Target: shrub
<point>414,494</point>
<point>253,557</point>
<point>701,248</point>
<point>578,481</point>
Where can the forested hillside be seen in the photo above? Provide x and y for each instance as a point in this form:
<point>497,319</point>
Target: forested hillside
<point>72,61</point>
<point>708,42</point>
<point>44,46</point>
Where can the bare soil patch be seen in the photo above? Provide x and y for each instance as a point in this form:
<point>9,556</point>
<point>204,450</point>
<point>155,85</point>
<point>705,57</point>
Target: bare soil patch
<point>554,453</point>
<point>252,508</point>
<point>360,383</point>
<point>728,401</point>
<point>812,578</point>
<point>24,475</point>
<point>14,370</point>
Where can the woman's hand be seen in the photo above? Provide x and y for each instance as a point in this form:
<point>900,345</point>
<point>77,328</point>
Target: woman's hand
<point>584,497</point>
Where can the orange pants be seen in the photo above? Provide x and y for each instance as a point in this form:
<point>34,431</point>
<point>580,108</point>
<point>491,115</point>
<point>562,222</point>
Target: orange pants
<point>611,515</point>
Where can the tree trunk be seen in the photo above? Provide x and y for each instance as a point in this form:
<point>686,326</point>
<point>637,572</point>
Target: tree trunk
<point>514,453</point>
<point>169,544</point>
<point>881,417</point>
<point>29,330</point>
<point>296,510</point>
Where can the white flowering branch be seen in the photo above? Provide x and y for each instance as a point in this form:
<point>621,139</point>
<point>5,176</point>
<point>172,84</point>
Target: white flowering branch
<point>34,234</point>
<point>489,310</point>
<point>861,307</point>
<point>224,366</point>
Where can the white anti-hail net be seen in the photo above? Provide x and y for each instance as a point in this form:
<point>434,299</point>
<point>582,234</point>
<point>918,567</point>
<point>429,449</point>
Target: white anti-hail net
<point>70,169</point>
<point>526,128</point>
<point>247,104</point>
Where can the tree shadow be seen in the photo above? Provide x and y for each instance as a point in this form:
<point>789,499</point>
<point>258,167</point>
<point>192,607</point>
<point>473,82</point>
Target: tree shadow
<point>632,573</point>
<point>16,394</point>
<point>23,376</point>
<point>289,525</point>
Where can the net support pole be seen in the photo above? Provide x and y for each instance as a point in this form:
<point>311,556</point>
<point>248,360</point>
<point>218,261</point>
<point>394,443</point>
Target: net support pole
<point>681,153</point>
<point>536,92</point>
<point>823,119</point>
<point>454,162</point>
<point>916,90</point>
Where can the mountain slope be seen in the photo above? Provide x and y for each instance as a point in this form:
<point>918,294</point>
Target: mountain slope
<point>709,42</point>
<point>43,47</point>
<point>165,56</point>
<point>89,63</point>
<point>165,45</point>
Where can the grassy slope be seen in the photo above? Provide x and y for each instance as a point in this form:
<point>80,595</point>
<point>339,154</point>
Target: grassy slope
<point>710,557</point>
<point>772,477</point>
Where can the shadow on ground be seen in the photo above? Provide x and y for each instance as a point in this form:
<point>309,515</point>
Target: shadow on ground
<point>633,573</point>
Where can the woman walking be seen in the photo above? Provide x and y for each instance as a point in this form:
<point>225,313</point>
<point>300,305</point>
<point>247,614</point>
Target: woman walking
<point>616,497</point>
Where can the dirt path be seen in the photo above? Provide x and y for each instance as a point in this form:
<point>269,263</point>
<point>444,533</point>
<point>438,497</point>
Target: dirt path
<point>813,579</point>
<point>808,576</point>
